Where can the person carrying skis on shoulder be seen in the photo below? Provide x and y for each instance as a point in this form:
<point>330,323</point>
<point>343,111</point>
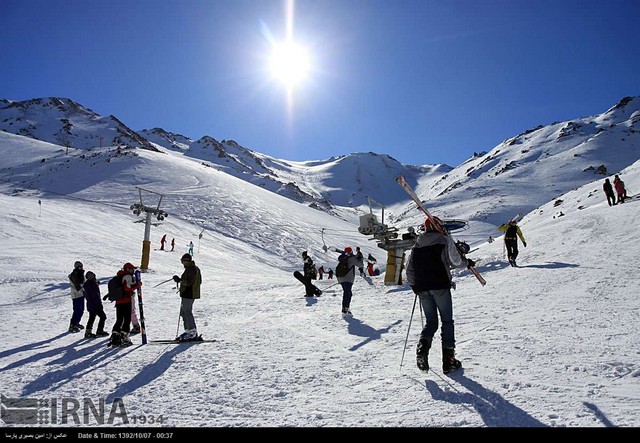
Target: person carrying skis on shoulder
<point>76,279</point>
<point>190,282</point>
<point>94,306</point>
<point>511,233</point>
<point>429,274</point>
<point>120,329</point>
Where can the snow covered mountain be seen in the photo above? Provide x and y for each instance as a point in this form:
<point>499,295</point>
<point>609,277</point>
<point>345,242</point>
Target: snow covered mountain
<point>66,123</point>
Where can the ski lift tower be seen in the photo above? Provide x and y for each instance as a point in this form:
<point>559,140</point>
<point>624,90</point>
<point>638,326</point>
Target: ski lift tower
<point>139,208</point>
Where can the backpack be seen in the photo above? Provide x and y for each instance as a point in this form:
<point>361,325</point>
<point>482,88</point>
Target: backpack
<point>343,267</point>
<point>116,288</point>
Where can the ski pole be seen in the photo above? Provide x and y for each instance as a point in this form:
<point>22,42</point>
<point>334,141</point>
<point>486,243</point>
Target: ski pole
<point>408,329</point>
<point>330,286</point>
<point>179,315</point>
<point>166,281</point>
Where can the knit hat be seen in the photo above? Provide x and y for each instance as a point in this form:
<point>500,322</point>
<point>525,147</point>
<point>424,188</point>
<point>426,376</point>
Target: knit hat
<point>128,265</point>
<point>90,275</point>
<point>348,250</point>
<point>186,257</point>
<point>77,264</point>
<point>428,226</point>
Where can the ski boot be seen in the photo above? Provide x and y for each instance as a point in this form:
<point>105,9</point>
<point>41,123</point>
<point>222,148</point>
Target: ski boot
<point>188,335</point>
<point>88,334</point>
<point>115,339</point>
<point>449,362</point>
<point>135,330</point>
<point>125,340</point>
<point>422,354</point>
<point>101,333</point>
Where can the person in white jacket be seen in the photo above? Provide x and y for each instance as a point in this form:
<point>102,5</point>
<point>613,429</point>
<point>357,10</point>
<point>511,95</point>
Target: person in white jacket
<point>76,279</point>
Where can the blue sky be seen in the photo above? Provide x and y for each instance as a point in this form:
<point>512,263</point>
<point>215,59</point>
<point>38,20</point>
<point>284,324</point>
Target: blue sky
<point>423,81</point>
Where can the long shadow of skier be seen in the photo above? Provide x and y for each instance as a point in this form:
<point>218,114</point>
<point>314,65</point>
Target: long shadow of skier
<point>31,346</point>
<point>97,356</point>
<point>494,410</point>
<point>66,353</point>
<point>147,374</point>
<point>356,327</point>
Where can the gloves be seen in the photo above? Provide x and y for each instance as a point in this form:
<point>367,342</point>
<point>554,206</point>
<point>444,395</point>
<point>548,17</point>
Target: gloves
<point>524,243</point>
<point>176,279</point>
<point>470,263</point>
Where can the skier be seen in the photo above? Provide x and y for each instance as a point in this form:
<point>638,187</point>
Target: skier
<point>173,244</point>
<point>429,273</point>
<point>94,306</point>
<point>190,252</point>
<point>608,190</point>
<point>190,282</point>
<point>76,278</point>
<point>512,231</point>
<point>120,329</point>
<point>346,281</point>
<point>620,190</point>
<point>320,272</point>
<point>162,242</point>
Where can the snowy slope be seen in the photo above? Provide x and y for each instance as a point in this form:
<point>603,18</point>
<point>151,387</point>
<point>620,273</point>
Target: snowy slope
<point>552,343</point>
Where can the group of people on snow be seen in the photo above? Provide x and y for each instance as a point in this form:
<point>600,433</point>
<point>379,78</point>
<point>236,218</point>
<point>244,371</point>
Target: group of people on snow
<point>163,240</point>
<point>87,287</point>
<point>620,190</point>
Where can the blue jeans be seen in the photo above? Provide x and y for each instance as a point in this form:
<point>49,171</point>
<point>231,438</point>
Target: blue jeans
<point>346,294</point>
<point>433,302</point>
<point>78,310</point>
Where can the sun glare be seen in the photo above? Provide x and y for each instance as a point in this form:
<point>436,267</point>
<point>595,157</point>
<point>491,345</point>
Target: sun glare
<point>289,63</point>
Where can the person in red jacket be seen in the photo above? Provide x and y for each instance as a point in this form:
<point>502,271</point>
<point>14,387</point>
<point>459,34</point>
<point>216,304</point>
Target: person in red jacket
<point>618,184</point>
<point>120,330</point>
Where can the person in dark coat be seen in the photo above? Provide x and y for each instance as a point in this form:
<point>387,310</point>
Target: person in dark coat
<point>608,190</point>
<point>360,257</point>
<point>190,282</point>
<point>429,273</point>
<point>309,272</point>
<point>94,306</point>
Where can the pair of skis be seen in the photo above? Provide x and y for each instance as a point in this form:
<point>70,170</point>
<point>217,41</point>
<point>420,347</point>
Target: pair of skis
<point>434,222</point>
<point>143,331</point>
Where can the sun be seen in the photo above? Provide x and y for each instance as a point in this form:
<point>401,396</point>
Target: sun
<point>290,63</point>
